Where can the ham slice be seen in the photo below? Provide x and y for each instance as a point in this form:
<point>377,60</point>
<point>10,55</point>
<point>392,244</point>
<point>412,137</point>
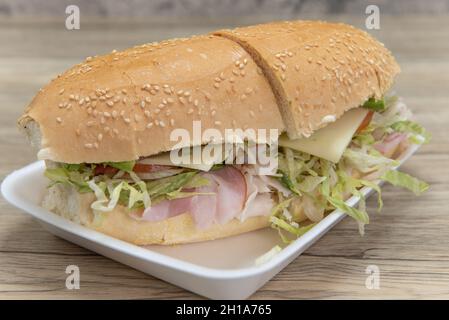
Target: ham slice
<point>390,143</point>
<point>228,186</point>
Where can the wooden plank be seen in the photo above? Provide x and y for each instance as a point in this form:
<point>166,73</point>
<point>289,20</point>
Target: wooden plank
<point>407,241</point>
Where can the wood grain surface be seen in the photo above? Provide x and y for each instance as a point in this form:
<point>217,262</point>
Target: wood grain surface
<point>408,241</point>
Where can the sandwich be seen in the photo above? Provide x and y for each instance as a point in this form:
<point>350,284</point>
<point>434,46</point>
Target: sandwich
<point>110,132</point>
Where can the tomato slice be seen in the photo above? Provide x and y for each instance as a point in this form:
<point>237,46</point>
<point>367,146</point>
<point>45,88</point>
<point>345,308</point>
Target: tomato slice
<point>366,121</point>
<point>140,167</point>
<point>100,169</point>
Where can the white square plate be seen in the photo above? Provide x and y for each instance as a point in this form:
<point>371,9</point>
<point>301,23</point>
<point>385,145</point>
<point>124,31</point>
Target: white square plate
<point>220,269</point>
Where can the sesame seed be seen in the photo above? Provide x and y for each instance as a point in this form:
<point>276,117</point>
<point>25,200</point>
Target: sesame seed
<point>162,123</point>
<point>100,137</point>
<point>110,103</point>
<point>216,85</point>
<point>217,123</point>
<point>88,145</point>
<point>59,120</point>
<point>61,91</point>
<point>142,104</point>
<point>149,125</point>
<point>172,122</point>
<point>127,120</point>
<point>190,111</point>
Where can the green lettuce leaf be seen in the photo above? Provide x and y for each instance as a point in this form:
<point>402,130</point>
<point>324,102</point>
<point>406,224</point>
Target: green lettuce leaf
<point>126,166</point>
<point>413,128</point>
<point>358,215</point>
<point>375,105</point>
<point>404,180</point>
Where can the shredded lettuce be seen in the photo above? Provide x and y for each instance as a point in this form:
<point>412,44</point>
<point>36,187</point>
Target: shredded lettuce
<point>358,215</point>
<point>404,180</point>
<point>74,178</point>
<point>367,162</point>
<point>419,134</point>
<point>375,105</point>
<point>298,231</point>
<point>324,186</point>
<point>126,166</point>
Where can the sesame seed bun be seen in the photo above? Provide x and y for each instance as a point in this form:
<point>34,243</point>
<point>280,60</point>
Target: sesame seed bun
<point>317,68</point>
<point>289,76</point>
<point>123,105</point>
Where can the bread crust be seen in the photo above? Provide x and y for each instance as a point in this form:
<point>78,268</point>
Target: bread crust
<point>284,75</point>
<point>317,68</point>
<point>124,105</point>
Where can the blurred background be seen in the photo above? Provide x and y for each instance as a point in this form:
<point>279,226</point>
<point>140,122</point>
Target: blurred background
<point>216,8</point>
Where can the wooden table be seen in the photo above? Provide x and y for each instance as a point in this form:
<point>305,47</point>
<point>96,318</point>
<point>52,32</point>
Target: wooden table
<point>408,241</point>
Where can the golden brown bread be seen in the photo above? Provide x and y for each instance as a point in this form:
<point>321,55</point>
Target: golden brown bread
<point>317,68</point>
<point>124,105</point>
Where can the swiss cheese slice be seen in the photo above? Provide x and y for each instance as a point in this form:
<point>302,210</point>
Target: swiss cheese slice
<point>197,157</point>
<point>331,141</point>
